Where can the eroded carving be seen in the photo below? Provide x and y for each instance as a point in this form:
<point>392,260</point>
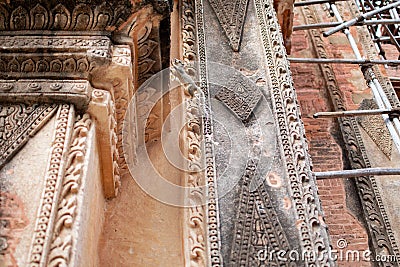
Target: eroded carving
<point>231,16</point>
<point>18,122</point>
<point>375,127</point>
<point>44,225</point>
<point>102,109</point>
<point>63,239</point>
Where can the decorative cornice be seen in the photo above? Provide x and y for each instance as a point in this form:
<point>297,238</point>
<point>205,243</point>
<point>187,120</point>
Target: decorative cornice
<point>76,92</point>
<point>51,57</point>
<point>70,15</point>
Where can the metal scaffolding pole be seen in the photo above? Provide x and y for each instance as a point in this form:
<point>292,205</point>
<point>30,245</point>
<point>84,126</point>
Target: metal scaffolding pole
<point>343,61</point>
<point>354,113</point>
<point>315,2</point>
<point>360,18</point>
<point>334,24</point>
<point>377,90</point>
<point>356,173</point>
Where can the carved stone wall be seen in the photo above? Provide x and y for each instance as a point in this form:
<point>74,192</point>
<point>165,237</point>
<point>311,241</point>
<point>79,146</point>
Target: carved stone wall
<point>258,219</point>
<point>65,58</point>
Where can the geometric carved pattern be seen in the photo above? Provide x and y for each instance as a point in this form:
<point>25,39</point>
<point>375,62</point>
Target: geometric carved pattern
<point>18,123</point>
<point>375,128</point>
<point>241,97</point>
<point>257,226</point>
<point>231,16</point>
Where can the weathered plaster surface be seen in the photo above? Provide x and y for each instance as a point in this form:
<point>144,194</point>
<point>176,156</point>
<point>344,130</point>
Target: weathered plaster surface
<point>22,180</point>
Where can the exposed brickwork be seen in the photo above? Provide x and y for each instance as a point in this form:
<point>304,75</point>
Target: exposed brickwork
<point>12,221</point>
<point>322,135</point>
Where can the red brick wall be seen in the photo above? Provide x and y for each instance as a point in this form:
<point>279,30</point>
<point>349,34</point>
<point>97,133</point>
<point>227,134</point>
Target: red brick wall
<point>322,135</point>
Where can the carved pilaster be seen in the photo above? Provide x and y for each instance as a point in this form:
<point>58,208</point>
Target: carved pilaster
<point>63,239</point>
<point>103,111</point>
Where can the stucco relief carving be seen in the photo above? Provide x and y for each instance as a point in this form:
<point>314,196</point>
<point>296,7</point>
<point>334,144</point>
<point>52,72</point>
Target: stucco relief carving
<point>231,16</point>
<point>69,15</point>
<point>375,127</point>
<point>47,57</point>
<point>63,239</point>
<point>240,96</point>
<point>194,216</point>
<point>44,226</point>
<point>76,92</point>
<point>18,122</point>
<point>103,111</point>
<point>311,228</point>
<point>117,79</point>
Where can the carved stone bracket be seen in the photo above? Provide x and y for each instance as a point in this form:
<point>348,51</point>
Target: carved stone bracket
<point>103,111</point>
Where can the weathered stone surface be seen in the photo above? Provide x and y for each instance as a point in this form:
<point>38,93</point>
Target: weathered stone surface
<point>21,185</point>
